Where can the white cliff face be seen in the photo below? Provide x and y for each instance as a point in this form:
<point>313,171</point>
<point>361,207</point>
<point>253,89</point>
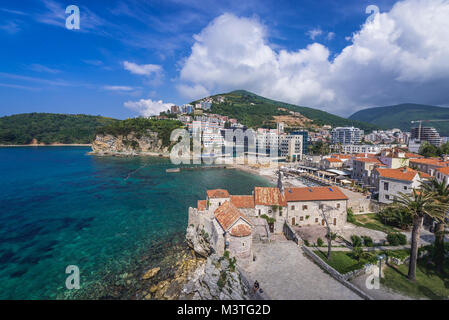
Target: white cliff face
<point>131,144</point>
<point>217,279</point>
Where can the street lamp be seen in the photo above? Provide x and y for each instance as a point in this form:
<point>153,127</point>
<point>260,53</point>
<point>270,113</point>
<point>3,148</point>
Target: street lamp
<point>380,257</point>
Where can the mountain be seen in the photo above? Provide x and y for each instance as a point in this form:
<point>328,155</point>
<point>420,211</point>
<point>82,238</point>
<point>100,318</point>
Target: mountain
<point>256,111</point>
<point>50,128</point>
<point>399,116</point>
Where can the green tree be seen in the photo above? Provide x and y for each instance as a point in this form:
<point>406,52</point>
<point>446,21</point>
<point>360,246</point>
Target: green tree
<point>441,195</point>
<point>419,204</point>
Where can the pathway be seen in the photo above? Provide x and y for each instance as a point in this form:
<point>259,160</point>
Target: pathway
<point>286,274</point>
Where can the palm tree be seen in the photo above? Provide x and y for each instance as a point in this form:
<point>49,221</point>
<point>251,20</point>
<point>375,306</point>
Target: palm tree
<point>440,190</point>
<point>419,204</point>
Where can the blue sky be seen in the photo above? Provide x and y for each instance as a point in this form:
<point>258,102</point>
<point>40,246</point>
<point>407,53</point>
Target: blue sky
<point>128,51</point>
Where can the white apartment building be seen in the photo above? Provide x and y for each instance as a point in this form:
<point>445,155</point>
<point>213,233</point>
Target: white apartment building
<point>392,182</point>
<point>346,135</point>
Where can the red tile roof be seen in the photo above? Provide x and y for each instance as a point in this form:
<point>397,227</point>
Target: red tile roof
<point>240,230</point>
<point>364,155</point>
<point>201,205</point>
<point>368,160</point>
<point>341,156</point>
<point>429,161</point>
<point>444,170</point>
<point>217,193</point>
<point>413,156</point>
<point>227,214</point>
<point>314,194</point>
<point>269,197</point>
<point>404,174</point>
<point>333,160</point>
<point>242,201</point>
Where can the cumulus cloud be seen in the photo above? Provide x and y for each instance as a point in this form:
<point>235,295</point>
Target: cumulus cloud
<point>401,56</point>
<point>148,107</point>
<point>142,69</point>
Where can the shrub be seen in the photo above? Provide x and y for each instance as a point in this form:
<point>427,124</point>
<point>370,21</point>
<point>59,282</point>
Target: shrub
<point>319,242</point>
<point>350,215</point>
<point>306,243</point>
<point>396,239</point>
<point>357,253</point>
<point>356,241</point>
<point>367,241</point>
<point>396,217</point>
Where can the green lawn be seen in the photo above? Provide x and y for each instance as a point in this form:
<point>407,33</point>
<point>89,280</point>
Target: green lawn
<point>371,221</point>
<point>341,261</point>
<point>429,284</point>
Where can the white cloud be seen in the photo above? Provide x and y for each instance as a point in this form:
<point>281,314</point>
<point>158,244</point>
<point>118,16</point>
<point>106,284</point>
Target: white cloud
<point>142,69</point>
<point>41,68</point>
<point>118,88</point>
<point>330,36</point>
<point>314,33</point>
<point>148,107</point>
<point>402,56</point>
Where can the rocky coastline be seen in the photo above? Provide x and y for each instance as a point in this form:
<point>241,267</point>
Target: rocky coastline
<point>147,144</point>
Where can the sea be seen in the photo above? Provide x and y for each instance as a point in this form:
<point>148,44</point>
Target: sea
<point>60,207</point>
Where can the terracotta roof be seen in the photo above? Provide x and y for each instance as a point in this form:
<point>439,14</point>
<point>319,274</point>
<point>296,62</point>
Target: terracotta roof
<point>201,205</point>
<point>444,170</point>
<point>314,194</point>
<point>242,201</point>
<point>364,155</point>
<point>368,160</point>
<point>240,230</point>
<point>217,193</point>
<point>341,156</point>
<point>333,160</point>
<point>414,155</point>
<point>227,214</point>
<point>428,161</point>
<point>268,197</point>
<point>404,174</point>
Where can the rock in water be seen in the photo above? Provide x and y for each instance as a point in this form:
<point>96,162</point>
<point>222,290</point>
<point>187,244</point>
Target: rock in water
<point>150,273</point>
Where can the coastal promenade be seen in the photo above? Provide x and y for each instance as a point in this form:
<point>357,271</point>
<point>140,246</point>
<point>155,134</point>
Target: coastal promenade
<point>285,273</point>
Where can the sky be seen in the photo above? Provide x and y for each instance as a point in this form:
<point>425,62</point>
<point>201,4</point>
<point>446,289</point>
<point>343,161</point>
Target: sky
<point>137,57</point>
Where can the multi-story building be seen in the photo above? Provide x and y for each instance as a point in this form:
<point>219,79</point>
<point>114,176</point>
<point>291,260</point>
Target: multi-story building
<point>361,148</point>
<point>362,167</point>
<point>429,165</point>
<point>392,182</point>
<point>347,135</point>
<point>428,134</point>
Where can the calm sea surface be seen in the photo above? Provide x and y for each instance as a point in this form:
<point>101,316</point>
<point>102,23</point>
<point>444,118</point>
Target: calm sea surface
<point>60,207</point>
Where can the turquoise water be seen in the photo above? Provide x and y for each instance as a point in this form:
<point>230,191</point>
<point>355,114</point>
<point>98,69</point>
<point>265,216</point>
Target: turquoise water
<point>60,207</point>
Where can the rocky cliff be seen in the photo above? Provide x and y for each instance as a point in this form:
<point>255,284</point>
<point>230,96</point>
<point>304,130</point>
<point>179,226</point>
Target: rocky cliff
<point>130,144</point>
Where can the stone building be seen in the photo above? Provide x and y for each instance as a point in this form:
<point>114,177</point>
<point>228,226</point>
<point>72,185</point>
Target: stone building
<point>232,222</point>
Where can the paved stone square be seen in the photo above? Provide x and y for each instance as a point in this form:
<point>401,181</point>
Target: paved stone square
<point>285,273</point>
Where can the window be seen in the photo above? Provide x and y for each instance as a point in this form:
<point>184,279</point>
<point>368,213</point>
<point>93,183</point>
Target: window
<point>405,187</point>
<point>321,206</point>
<point>280,214</point>
<point>338,206</point>
<point>293,207</point>
<point>387,197</point>
<point>219,204</point>
<point>316,220</point>
<point>270,211</point>
<point>304,207</point>
<point>259,212</point>
<point>243,244</point>
<point>301,218</point>
<point>386,186</point>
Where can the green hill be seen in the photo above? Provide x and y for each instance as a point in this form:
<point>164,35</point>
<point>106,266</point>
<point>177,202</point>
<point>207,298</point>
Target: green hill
<point>256,111</point>
<point>399,116</point>
<point>50,128</point>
